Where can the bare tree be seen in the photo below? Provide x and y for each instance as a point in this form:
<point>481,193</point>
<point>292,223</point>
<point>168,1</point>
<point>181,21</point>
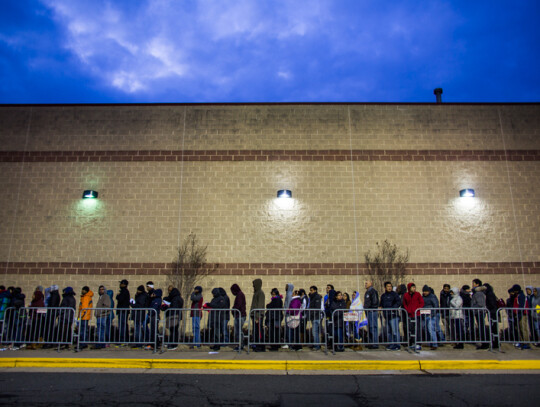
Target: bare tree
<point>190,267</point>
<point>388,263</point>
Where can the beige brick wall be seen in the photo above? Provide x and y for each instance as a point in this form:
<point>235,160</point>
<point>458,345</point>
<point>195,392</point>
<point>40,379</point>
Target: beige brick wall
<point>145,207</point>
<point>202,127</point>
<point>232,208</point>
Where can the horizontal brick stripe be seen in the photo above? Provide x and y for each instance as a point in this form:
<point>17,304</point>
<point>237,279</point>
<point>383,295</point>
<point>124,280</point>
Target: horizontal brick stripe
<point>264,269</point>
<point>269,155</point>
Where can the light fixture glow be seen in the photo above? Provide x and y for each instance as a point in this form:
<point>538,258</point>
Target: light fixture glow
<point>89,194</point>
<point>467,193</point>
<point>284,193</point>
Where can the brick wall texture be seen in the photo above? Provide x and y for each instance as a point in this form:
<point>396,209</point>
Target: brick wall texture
<point>359,174</point>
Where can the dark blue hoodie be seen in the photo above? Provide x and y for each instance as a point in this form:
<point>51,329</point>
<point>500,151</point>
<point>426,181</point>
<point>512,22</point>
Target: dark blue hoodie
<point>156,301</point>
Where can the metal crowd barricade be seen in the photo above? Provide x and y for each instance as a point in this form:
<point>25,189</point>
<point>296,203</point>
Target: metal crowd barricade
<point>278,327</point>
<point>38,326</point>
<point>101,327</point>
<point>441,326</point>
<point>206,327</point>
<point>368,327</point>
<point>519,326</point>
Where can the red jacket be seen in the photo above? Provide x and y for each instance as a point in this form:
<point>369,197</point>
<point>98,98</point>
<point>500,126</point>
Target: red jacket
<point>412,302</point>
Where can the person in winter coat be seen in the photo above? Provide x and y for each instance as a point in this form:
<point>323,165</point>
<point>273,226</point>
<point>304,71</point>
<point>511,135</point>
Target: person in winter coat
<point>138,315</point>
<point>535,305</point>
<point>196,298</point>
<point>225,316</point>
<point>240,314</point>
<point>315,313</point>
<point>122,311</point>
<point>479,301</point>
<point>336,308</point>
<point>292,320</point>
<point>444,303</point>
<point>216,318</point>
<point>5,300</point>
<point>465,294</point>
<point>520,311</point>
<point>412,302</point>
<point>257,303</point>
<point>289,288</point>
<point>529,292</point>
<point>390,300</point>
<point>273,318</point>
<point>430,322</point>
<point>491,305</point>
<point>37,317</point>
<point>84,315</point>
<point>173,316</point>
<point>456,317</point>
<point>102,313</point>
<point>67,316</point>
<point>371,304</point>
<point>153,317</point>
<point>52,303</point>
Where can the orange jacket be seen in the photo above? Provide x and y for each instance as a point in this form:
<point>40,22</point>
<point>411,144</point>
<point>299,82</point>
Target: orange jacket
<point>86,302</point>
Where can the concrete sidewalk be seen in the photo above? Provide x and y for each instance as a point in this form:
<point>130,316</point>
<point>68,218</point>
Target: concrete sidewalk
<point>443,359</point>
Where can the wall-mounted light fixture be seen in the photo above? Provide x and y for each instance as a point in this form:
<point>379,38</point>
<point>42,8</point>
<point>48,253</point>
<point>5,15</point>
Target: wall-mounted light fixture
<point>284,193</point>
<point>89,194</point>
<point>466,193</point>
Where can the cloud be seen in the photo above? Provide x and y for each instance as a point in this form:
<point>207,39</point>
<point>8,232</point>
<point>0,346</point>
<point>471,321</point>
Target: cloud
<point>270,50</point>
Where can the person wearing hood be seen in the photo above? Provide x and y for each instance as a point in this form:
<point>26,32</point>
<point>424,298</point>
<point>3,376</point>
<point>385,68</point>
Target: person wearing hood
<point>102,312</point>
<point>153,317</point>
<point>67,316</point>
<point>225,316</point>
<point>430,322</point>
<point>535,305</point>
<point>5,300</point>
<point>289,288</point>
<point>52,304</point>
<point>37,317</point>
<point>274,316</point>
<point>444,302</point>
<point>479,301</point>
<point>173,316</point>
<point>196,298</point>
<point>215,318</point>
<point>491,305</point>
<point>337,320</point>
<point>465,294</point>
<point>371,305</point>
<point>520,309</point>
<point>84,315</point>
<point>257,303</point>
<point>456,317</point>
<point>239,315</point>
<point>138,315</point>
<point>122,312</point>
<point>412,302</point>
<point>293,317</point>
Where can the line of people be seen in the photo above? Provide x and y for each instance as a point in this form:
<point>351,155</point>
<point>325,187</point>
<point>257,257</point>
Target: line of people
<point>298,319</point>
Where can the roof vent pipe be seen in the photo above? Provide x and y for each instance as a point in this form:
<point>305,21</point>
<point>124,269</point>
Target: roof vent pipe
<point>438,92</point>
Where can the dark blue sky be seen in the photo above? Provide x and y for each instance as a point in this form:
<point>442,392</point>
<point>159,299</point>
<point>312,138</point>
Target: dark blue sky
<point>71,51</point>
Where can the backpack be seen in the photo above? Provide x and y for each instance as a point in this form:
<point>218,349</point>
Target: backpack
<point>501,303</point>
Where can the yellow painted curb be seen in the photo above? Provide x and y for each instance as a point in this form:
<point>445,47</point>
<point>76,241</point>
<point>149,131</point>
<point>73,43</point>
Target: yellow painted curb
<point>355,365</point>
<point>202,364</point>
<point>480,364</point>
